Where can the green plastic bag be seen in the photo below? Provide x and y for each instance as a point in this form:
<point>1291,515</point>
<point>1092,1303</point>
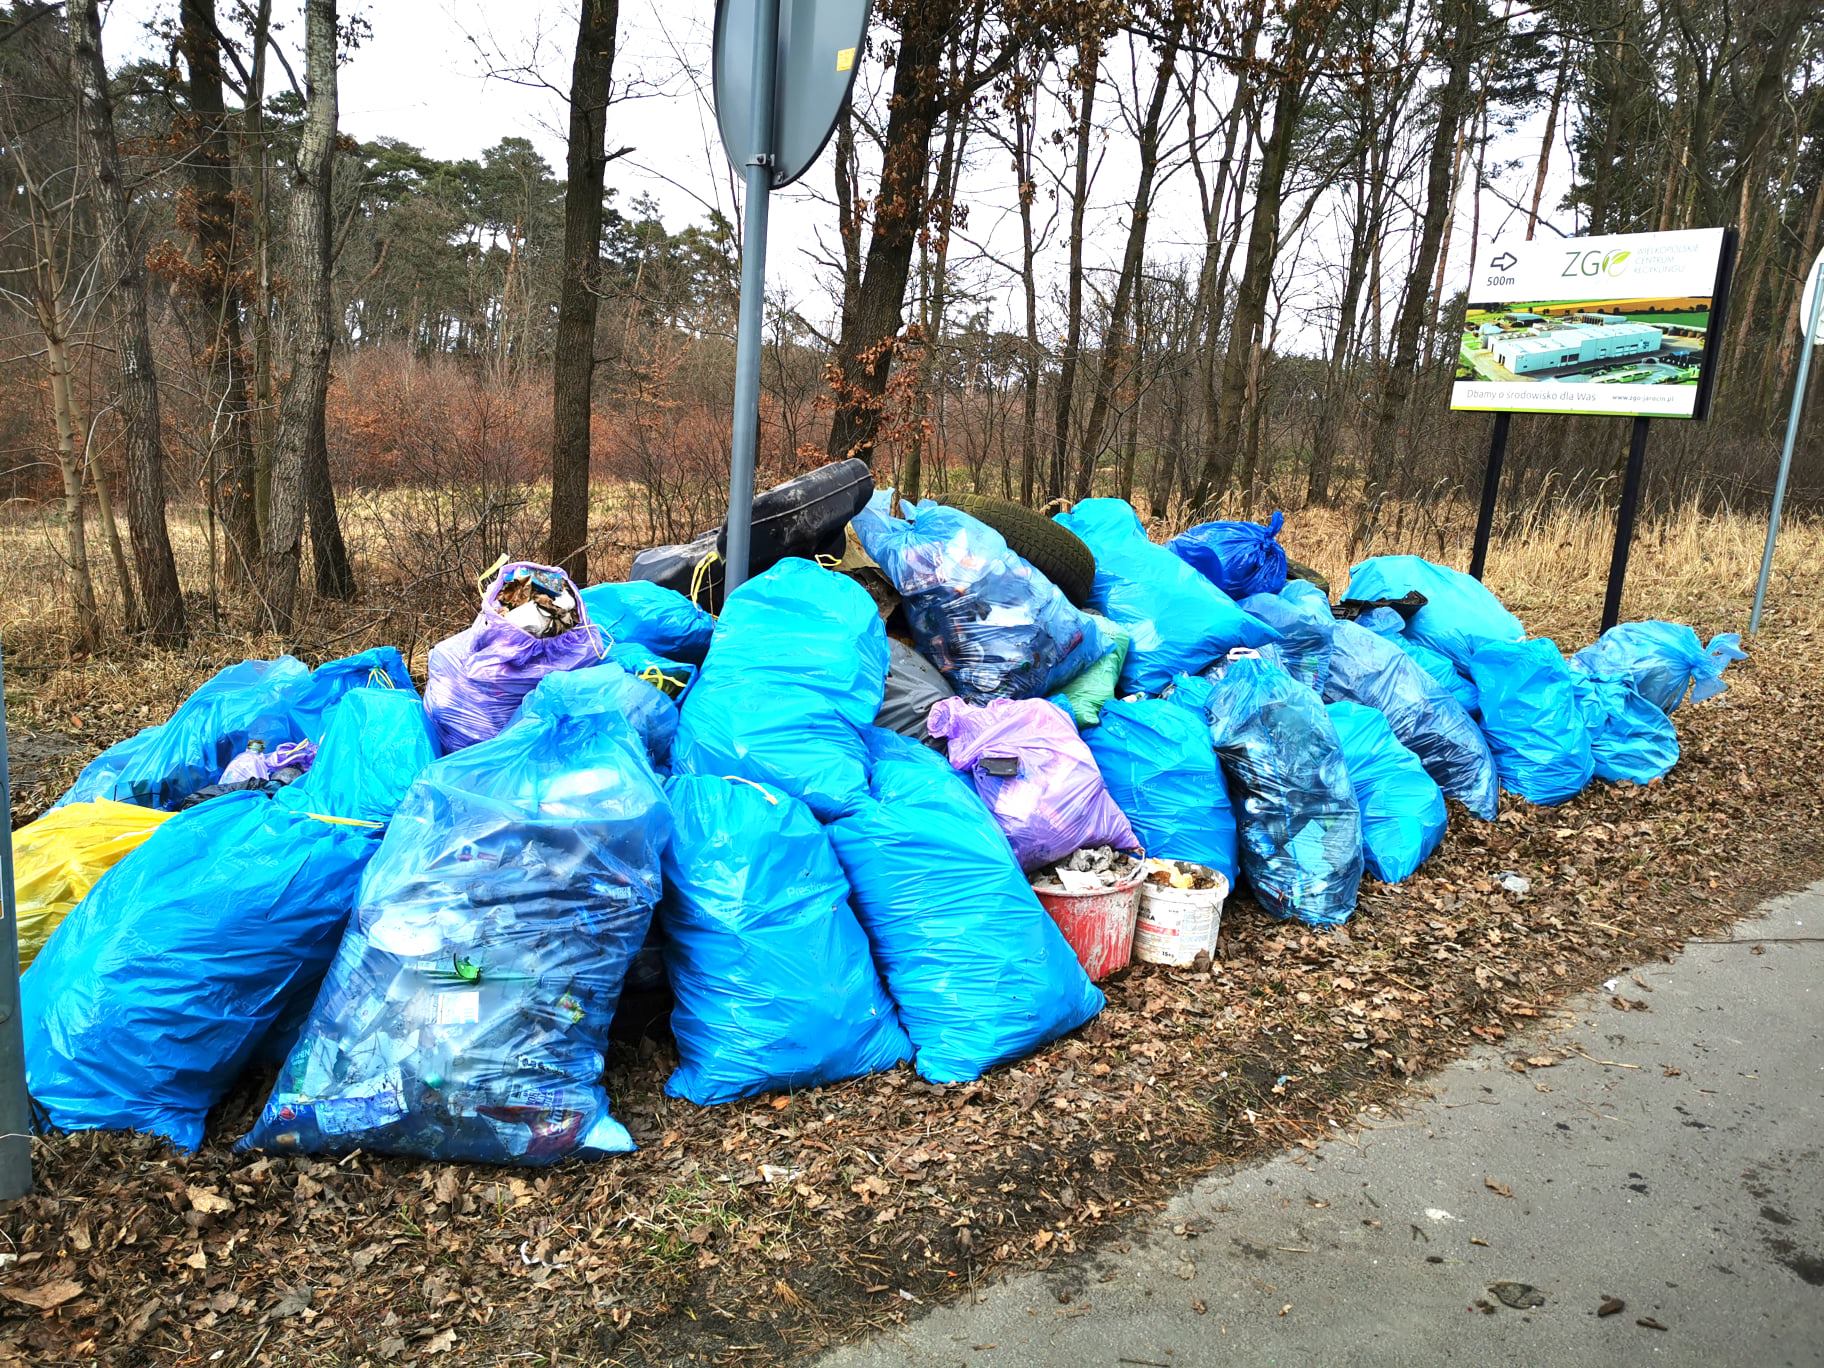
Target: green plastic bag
<point>1084,696</point>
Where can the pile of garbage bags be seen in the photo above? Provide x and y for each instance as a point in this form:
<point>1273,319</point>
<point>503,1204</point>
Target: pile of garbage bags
<point>807,827</point>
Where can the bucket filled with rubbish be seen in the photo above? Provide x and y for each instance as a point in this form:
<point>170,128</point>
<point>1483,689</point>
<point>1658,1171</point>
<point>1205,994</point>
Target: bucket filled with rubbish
<point>1179,912</point>
<point>1094,897</point>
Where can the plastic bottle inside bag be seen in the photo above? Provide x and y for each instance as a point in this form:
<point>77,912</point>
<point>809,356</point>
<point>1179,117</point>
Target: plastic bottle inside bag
<point>248,765</point>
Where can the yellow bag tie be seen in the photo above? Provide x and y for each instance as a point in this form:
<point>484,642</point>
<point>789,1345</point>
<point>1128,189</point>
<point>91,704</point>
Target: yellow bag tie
<point>346,821</point>
<point>656,677</point>
<point>700,576</point>
<point>481,580</point>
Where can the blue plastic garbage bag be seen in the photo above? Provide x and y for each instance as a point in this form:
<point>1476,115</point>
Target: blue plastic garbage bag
<point>798,666</point>
<point>640,613</point>
<point>1384,622</point>
<point>1631,740</point>
<point>1177,621</point>
<point>992,623</point>
<point>1308,599</point>
<point>1304,645</point>
<point>271,701</point>
<point>671,677</point>
<point>1239,558</point>
<point>1459,613</point>
<point>1301,831</point>
<point>160,987</point>
<point>1662,660</point>
<point>775,986</point>
<point>978,969</point>
<point>1403,814</point>
<point>465,1016</point>
<point>609,688</point>
<point>1533,721</point>
<point>1426,717</point>
<point>1161,769</point>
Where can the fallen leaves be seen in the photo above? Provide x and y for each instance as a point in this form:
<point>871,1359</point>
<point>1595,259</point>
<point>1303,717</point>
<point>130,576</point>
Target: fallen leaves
<point>45,1295</point>
<point>1499,1189</point>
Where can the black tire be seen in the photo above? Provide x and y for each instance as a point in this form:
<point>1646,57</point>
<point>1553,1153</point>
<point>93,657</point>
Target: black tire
<point>1294,570</point>
<point>1058,553</point>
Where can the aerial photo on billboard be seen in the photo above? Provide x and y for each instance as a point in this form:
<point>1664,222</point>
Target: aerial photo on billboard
<point>1617,325</point>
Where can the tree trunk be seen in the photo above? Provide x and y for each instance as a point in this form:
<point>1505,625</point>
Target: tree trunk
<point>1033,361</point>
<point>864,353</point>
<point>123,275</point>
<point>1231,384</point>
<point>265,406</point>
<point>1413,304</point>
<point>303,332</point>
<point>573,365</point>
<point>1089,58</point>
<point>1131,261</point>
<point>57,367</point>
<point>1545,143</point>
<point>213,230</point>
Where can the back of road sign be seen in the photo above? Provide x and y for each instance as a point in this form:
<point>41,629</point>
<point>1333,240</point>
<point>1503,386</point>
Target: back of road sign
<point>1809,315</point>
<point>819,50</point>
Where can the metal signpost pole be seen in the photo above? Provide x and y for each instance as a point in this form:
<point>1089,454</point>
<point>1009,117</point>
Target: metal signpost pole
<point>1624,522</point>
<point>15,1107</point>
<point>751,319</point>
<point>1491,487</point>
<point>1807,341</point>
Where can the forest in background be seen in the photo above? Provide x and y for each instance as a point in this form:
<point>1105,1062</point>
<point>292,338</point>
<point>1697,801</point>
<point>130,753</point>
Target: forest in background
<point>211,298</point>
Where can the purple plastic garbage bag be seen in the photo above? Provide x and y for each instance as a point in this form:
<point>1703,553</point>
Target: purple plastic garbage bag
<point>1035,774</point>
<point>479,676</point>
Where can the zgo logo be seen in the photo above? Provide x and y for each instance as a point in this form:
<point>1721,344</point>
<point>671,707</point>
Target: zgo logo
<point>1595,263</point>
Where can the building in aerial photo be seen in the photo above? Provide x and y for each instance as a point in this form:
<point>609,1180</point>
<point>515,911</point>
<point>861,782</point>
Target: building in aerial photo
<point>1573,344</point>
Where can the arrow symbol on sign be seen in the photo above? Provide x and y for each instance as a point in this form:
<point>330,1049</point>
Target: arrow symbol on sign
<point>1504,262</point>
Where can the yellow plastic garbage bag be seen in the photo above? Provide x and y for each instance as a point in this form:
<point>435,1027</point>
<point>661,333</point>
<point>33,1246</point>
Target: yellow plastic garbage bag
<point>58,858</point>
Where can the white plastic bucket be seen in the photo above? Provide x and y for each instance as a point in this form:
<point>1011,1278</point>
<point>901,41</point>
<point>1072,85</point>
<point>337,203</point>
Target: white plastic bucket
<point>1176,924</point>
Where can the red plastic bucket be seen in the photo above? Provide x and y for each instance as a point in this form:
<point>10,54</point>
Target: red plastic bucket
<point>1099,926</point>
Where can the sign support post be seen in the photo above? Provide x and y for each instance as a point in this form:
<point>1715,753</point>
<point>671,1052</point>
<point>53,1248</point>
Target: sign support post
<point>783,70</point>
<point>15,1106</point>
<point>1624,522</point>
<point>751,318</point>
<point>1807,341</point>
<point>1491,487</point>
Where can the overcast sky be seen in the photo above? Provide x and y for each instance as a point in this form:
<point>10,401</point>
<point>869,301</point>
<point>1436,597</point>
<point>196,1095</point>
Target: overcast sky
<point>423,76</point>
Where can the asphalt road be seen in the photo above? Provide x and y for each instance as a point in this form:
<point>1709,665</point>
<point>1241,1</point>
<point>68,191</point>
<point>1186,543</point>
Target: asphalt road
<point>1671,1161</point>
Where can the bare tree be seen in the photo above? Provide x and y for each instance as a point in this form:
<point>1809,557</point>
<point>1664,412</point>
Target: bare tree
<point>122,270</point>
<point>573,363</point>
<point>304,332</point>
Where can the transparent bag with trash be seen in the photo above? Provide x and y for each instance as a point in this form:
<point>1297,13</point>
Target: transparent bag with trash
<point>466,1013</point>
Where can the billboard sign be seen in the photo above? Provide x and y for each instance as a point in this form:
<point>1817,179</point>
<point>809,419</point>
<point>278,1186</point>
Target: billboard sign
<point>1624,324</point>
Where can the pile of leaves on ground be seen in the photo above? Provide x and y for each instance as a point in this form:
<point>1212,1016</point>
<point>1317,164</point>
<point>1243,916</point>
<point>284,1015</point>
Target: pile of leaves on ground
<point>760,1231</point>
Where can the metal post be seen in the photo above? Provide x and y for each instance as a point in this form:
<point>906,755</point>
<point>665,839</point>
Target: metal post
<point>751,319</point>
<point>15,1107</point>
<point>1807,341</point>
<point>1491,486</point>
<point>1624,522</point>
